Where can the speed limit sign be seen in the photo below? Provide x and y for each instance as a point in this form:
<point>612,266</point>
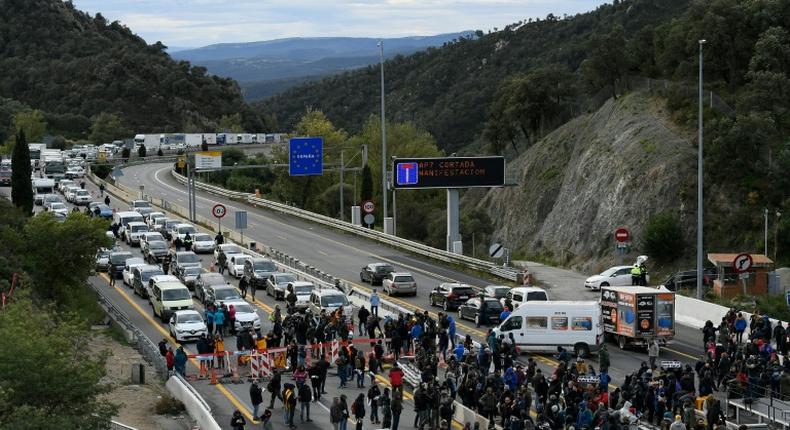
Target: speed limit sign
<point>368,206</point>
<point>219,211</point>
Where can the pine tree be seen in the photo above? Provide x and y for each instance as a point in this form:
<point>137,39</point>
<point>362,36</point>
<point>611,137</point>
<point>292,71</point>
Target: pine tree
<point>21,185</point>
<point>366,193</point>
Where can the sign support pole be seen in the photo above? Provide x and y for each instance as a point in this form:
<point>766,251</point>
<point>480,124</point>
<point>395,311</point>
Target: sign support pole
<point>342,208</point>
<point>453,224</point>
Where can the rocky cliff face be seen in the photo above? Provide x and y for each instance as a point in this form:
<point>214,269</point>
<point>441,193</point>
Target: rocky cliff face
<point>613,168</point>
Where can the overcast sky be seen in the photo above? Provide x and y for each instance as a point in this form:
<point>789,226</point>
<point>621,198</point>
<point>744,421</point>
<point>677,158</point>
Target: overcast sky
<point>193,23</point>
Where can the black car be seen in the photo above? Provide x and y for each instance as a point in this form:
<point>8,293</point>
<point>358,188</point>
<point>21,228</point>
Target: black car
<point>451,295</point>
<point>481,310</point>
<point>206,280</point>
<point>118,261</point>
<point>375,272</point>
<point>688,279</point>
<point>257,270</point>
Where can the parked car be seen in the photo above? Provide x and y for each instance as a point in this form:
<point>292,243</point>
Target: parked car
<point>688,279</point>
<point>102,260</point>
<point>181,259</point>
<point>143,207</point>
<point>70,192</point>
<point>188,275</point>
<point>154,250</point>
<point>329,301</point>
<point>165,226</point>
<point>134,230</point>
<point>104,211</point>
<point>450,295</point>
<point>169,297</point>
<point>374,273</point>
<point>612,277</point>
<point>118,262</point>
<point>75,172</point>
<point>227,249</point>
<point>276,283</point>
<point>206,280</point>
<point>236,264</point>
<point>158,279</point>
<point>399,283</point>
<point>202,243</point>
<point>302,289</point>
<point>82,198</point>
<point>481,310</point>
<point>246,317</point>
<point>181,230</point>
<point>140,277</point>
<point>496,291</point>
<point>187,325</point>
<point>57,208</point>
<point>154,236</point>
<point>520,295</point>
<point>219,294</point>
<point>152,216</point>
<point>128,267</point>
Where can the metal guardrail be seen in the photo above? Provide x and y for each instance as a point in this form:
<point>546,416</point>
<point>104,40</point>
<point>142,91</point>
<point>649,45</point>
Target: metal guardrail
<point>140,341</point>
<point>408,245</point>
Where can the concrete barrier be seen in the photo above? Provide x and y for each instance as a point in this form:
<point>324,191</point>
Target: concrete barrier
<point>198,409</point>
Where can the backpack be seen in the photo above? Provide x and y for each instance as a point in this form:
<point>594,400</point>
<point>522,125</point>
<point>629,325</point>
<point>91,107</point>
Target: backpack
<point>354,407</point>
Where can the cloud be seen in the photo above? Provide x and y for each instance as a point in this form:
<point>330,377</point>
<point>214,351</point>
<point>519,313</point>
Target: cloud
<point>203,22</point>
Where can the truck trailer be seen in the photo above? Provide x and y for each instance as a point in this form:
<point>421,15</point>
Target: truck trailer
<point>638,315</point>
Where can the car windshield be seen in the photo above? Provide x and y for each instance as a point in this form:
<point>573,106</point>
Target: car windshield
<point>302,290</point>
<point>242,308</point>
<point>335,300</point>
<point>139,228</point>
<point>103,254</point>
<point>240,259</point>
<point>226,294</point>
<point>231,250</point>
<point>499,292</point>
<point>285,278</point>
<point>176,294</point>
<point>104,208</point>
<point>463,291</point>
<point>171,224</point>
<point>213,279</point>
<point>404,279</point>
<point>203,238</point>
<point>145,276</point>
<point>57,206</point>
<point>190,318</point>
<point>185,230</point>
<point>193,271</point>
<point>494,305</point>
<point>384,268</point>
<point>265,266</point>
<point>157,244</point>
<point>187,258</point>
<point>83,193</point>
<point>537,296</point>
<point>120,258</point>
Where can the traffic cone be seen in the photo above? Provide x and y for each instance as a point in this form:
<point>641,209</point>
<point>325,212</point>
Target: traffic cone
<point>213,380</point>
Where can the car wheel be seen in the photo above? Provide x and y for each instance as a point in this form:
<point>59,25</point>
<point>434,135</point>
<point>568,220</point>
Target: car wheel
<point>581,350</point>
<point>622,342</point>
<point>603,284</point>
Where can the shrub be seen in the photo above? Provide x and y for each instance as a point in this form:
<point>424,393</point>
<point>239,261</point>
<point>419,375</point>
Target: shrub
<point>101,170</point>
<point>168,406</point>
<point>663,238</point>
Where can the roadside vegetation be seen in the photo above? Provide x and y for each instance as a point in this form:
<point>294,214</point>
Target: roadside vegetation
<point>50,380</point>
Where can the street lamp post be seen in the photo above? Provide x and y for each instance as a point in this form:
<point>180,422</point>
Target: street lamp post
<point>383,138</point>
<point>699,180</point>
<point>765,243</point>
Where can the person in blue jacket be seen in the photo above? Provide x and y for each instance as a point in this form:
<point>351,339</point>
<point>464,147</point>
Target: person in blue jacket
<point>510,379</point>
<point>585,416</point>
<point>451,330</point>
<point>181,361</point>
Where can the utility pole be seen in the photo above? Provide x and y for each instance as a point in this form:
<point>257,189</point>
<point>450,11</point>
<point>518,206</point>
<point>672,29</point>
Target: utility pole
<point>383,138</point>
<point>699,180</point>
<point>342,166</point>
<point>765,245</point>
<point>776,233</point>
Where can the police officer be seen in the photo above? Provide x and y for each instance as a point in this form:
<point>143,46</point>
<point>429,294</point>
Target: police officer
<point>636,274</point>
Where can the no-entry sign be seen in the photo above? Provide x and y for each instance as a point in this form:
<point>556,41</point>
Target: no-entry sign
<point>622,235</point>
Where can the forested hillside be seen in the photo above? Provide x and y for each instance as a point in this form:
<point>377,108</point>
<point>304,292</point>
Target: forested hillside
<point>74,67</point>
<point>448,90</point>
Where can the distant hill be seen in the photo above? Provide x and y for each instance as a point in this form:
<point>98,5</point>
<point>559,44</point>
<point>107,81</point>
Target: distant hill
<point>74,66</point>
<point>448,90</point>
<point>295,60</point>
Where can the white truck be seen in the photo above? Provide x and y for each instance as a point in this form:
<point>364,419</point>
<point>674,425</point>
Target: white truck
<point>152,142</point>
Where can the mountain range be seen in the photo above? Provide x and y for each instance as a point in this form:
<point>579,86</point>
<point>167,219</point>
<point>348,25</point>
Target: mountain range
<point>269,67</point>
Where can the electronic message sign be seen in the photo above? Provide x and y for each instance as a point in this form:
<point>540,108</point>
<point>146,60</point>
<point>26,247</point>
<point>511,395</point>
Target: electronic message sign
<point>448,172</point>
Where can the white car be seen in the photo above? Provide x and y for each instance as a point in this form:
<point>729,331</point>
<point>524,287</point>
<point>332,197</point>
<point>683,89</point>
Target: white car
<point>181,230</point>
<point>58,208</point>
<point>202,243</point>
<point>612,277</point>
<point>236,264</point>
<point>187,325</point>
<point>82,197</point>
<point>227,249</point>
<point>70,192</point>
<point>128,268</point>
<point>151,236</point>
<point>152,217</point>
<point>302,289</point>
<point>246,317</point>
<point>75,172</point>
<point>134,230</point>
<point>399,283</point>
<point>63,184</point>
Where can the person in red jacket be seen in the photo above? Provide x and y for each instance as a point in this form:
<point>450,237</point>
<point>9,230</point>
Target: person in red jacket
<point>396,377</point>
<point>170,359</point>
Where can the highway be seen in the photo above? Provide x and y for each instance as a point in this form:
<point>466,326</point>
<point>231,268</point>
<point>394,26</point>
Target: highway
<point>342,255</point>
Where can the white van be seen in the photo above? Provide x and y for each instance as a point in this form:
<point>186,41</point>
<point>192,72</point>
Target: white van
<point>542,326</point>
<point>520,295</point>
<point>123,218</point>
<point>134,230</point>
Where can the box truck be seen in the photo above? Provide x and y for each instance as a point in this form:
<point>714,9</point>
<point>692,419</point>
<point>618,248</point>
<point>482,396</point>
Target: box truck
<point>638,315</point>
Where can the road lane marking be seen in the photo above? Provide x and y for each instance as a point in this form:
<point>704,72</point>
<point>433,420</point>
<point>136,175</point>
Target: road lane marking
<point>681,353</point>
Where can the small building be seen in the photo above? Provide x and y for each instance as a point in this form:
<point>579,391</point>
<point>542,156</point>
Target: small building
<point>730,284</point>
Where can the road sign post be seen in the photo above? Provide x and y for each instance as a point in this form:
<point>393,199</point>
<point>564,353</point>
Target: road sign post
<point>369,220</point>
<point>741,265</point>
<point>241,223</point>
<point>622,235</point>
<point>219,212</point>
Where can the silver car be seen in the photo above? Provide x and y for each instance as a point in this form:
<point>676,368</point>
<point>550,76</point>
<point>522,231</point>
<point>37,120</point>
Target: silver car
<point>399,283</point>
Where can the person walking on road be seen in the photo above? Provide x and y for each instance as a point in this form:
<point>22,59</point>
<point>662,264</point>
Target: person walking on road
<point>170,360</point>
<point>219,239</point>
<point>603,359</point>
<point>101,190</point>
<point>107,200</point>
<point>305,397</point>
<point>358,409</point>
<point>396,406</point>
<point>375,300</point>
<point>112,275</point>
<point>652,353</point>
<point>256,398</point>
<point>274,387</point>
<point>163,347</point>
<point>386,412</point>
<point>222,261</point>
<point>336,414</point>
<point>289,404</point>
<point>237,421</point>
<point>181,361</point>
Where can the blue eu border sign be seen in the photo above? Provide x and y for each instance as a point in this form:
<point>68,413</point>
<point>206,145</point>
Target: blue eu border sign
<point>449,172</point>
<point>306,156</point>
